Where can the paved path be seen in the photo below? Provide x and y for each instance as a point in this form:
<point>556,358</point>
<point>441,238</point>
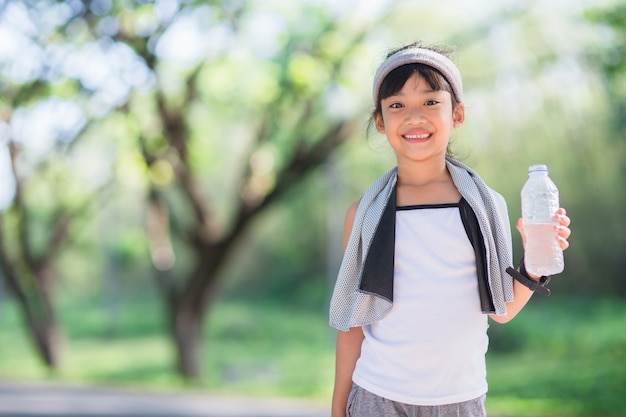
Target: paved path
<point>46,400</point>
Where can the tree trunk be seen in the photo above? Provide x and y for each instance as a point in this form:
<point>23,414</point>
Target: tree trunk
<point>46,336</point>
<point>39,313</point>
<point>35,298</point>
<point>46,329</point>
<point>186,327</point>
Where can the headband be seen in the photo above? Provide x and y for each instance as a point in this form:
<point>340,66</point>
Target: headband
<point>441,63</point>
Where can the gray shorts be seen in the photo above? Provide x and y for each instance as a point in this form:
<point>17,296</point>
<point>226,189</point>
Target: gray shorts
<point>362,403</point>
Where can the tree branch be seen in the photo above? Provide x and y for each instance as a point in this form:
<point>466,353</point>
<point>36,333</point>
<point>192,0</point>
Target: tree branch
<point>60,231</point>
<point>8,267</point>
<point>304,159</point>
<point>23,216</point>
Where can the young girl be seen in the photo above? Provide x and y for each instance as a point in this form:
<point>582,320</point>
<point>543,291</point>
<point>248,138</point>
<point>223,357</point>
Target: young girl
<point>427,259</point>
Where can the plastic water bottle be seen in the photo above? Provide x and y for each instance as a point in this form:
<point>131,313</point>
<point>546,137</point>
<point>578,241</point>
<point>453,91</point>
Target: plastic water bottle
<point>540,201</point>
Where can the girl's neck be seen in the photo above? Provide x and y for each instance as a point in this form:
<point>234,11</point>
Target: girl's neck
<point>425,183</point>
<point>424,173</point>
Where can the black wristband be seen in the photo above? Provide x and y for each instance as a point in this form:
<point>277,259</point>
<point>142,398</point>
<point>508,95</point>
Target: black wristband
<point>527,281</point>
<point>543,281</point>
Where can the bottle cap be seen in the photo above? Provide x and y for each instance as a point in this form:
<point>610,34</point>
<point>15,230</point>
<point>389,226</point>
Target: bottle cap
<point>538,168</point>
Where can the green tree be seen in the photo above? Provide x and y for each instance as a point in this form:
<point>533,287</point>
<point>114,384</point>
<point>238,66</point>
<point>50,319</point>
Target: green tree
<point>602,225</point>
<point>290,136</point>
<point>48,196</point>
<point>222,123</point>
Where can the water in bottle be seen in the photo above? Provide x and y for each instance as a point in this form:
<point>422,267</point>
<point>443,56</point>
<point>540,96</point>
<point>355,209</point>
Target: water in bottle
<point>540,201</point>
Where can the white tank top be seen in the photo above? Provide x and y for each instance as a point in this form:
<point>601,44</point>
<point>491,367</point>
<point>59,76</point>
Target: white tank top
<point>430,348</point>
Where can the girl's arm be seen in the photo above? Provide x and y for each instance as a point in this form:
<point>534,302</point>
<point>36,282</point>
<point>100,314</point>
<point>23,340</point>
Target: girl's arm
<point>348,347</point>
<point>522,294</point>
<point>348,351</point>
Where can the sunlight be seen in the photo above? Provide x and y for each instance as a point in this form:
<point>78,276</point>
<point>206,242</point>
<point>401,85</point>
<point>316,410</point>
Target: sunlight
<point>57,121</point>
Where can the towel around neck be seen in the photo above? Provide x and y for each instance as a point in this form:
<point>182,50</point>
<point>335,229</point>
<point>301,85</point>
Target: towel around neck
<point>351,306</point>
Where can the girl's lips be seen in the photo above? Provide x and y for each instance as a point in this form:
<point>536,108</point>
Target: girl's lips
<point>416,136</point>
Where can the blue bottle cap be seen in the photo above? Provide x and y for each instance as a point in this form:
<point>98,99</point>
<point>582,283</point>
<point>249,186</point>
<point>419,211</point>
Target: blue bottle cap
<point>537,168</point>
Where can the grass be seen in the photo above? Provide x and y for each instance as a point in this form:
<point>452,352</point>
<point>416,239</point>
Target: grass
<point>251,349</point>
<point>566,358</point>
<point>560,357</point>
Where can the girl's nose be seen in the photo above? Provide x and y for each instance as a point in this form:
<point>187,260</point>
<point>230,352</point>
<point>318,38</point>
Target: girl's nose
<point>414,114</point>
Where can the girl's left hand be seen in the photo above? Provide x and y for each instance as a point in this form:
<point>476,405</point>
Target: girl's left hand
<point>563,229</point>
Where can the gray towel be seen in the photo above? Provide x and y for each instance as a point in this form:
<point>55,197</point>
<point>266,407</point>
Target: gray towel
<point>351,307</point>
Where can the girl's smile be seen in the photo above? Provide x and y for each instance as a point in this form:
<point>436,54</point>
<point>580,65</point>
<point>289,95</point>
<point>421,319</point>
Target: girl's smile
<point>416,135</point>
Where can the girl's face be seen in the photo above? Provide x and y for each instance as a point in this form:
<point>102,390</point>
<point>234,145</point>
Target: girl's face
<point>418,120</point>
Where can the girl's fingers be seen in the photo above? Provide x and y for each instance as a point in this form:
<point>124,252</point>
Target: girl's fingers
<point>564,232</point>
<point>562,218</point>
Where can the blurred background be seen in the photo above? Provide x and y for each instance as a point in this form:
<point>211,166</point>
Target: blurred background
<point>174,176</point>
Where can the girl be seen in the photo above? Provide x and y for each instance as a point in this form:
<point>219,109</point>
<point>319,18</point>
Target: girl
<point>426,262</point>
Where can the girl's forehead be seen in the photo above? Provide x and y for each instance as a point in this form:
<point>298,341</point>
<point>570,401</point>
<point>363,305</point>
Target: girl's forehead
<point>417,84</point>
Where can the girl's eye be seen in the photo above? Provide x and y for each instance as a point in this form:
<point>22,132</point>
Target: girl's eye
<point>396,106</point>
<point>431,102</point>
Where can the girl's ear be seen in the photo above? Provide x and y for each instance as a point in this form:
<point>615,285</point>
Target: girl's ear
<point>380,123</point>
<point>458,115</point>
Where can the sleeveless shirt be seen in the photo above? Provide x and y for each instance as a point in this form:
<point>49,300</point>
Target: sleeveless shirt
<point>429,349</point>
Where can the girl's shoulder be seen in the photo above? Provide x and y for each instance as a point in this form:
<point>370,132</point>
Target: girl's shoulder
<point>349,221</point>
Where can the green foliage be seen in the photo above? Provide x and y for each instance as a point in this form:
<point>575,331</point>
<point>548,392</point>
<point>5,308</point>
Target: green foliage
<point>611,56</point>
